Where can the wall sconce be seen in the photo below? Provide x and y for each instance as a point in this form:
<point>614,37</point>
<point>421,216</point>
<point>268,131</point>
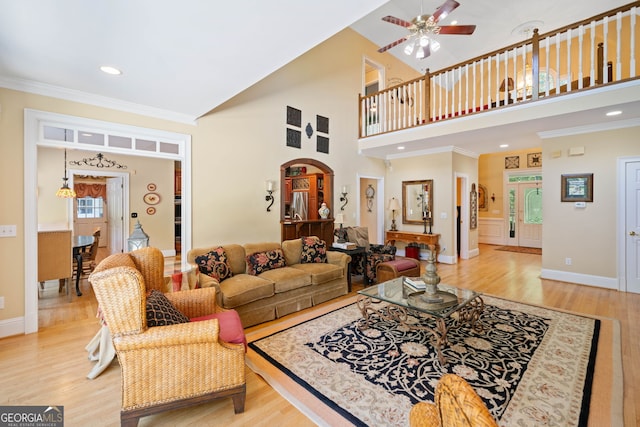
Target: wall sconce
<point>493,197</point>
<point>269,198</point>
<point>343,198</point>
<point>394,206</point>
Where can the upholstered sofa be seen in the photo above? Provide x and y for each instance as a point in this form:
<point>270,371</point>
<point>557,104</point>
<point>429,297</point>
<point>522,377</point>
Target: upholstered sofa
<point>265,281</point>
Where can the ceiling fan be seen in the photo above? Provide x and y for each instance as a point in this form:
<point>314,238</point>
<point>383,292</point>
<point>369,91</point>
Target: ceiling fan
<point>422,27</point>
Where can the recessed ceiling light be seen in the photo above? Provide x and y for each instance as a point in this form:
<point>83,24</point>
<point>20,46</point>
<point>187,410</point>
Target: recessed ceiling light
<point>401,148</point>
<point>111,70</point>
<point>614,113</point>
<point>504,145</point>
<point>454,22</point>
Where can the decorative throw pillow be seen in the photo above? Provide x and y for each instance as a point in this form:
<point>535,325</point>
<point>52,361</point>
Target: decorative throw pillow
<point>215,264</point>
<point>260,262</point>
<point>161,312</point>
<point>313,250</point>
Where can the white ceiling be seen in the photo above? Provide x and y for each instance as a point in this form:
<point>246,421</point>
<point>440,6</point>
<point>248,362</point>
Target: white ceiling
<point>182,59</point>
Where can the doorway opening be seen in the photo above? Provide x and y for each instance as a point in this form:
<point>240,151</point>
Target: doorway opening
<point>524,208</point>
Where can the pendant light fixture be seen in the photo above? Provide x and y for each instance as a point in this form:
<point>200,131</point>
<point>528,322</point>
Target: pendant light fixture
<point>65,192</point>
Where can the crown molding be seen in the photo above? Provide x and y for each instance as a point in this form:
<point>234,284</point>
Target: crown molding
<point>598,127</point>
<point>91,99</point>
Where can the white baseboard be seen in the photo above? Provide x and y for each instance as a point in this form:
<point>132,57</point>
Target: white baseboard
<point>581,279</point>
<point>10,327</point>
<point>474,253</point>
<point>168,252</point>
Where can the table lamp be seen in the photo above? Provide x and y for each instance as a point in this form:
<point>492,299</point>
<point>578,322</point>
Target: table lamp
<point>394,206</point>
<point>340,220</point>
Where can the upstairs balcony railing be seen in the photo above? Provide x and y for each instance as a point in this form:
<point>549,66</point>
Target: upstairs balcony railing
<point>597,51</point>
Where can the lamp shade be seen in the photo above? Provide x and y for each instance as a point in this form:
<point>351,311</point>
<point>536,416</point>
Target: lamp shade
<point>394,205</point>
<point>339,219</point>
<point>506,85</point>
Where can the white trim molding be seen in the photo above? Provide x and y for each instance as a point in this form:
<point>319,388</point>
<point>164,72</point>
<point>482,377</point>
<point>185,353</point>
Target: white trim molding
<point>581,279</point>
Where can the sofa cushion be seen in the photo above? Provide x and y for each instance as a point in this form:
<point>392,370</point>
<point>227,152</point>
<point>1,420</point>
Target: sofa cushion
<point>321,272</point>
<point>259,262</point>
<point>243,288</point>
<point>230,326</point>
<point>287,278</point>
<point>160,311</point>
<point>313,250</point>
<point>215,264</point>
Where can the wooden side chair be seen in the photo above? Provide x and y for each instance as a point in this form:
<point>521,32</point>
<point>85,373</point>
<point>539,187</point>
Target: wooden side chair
<point>456,405</point>
<point>89,257</point>
<point>165,367</point>
<point>55,257</point>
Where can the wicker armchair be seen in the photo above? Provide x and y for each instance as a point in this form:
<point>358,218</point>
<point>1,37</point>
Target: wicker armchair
<point>456,405</point>
<point>164,367</point>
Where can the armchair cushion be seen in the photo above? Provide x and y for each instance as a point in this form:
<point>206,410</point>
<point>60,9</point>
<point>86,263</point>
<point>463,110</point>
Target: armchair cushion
<point>215,264</point>
<point>230,326</point>
<point>313,250</point>
<point>160,311</point>
<point>260,262</point>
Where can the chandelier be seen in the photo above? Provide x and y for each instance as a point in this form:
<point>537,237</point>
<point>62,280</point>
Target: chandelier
<point>65,192</point>
<point>420,40</point>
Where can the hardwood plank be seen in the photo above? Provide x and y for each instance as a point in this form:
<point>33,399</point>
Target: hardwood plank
<point>50,367</point>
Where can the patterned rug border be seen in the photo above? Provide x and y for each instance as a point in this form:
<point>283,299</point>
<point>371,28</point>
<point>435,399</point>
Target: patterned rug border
<point>313,412</point>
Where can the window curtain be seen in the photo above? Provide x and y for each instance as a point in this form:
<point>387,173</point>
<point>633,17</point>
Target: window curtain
<point>90,190</point>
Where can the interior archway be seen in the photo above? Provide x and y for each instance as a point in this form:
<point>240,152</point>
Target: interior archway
<point>319,188</point>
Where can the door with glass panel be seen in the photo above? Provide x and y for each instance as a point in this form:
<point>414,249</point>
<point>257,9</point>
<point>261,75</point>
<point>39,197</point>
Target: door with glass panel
<point>525,214</point>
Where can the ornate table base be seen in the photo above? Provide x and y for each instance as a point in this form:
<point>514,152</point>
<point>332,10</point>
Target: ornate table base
<point>468,315</point>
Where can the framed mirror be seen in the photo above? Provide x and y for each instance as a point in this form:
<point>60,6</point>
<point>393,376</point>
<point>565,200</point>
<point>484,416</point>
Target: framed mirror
<point>417,202</point>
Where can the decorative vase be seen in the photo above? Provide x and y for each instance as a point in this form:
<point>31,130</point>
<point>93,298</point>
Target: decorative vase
<point>324,211</point>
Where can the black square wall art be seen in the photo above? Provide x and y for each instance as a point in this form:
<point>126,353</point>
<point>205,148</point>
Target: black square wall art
<point>293,138</point>
<point>322,144</point>
<point>322,124</point>
<point>294,116</point>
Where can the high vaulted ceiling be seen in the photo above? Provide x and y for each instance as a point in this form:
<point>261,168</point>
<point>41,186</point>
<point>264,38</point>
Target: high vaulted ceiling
<point>183,58</point>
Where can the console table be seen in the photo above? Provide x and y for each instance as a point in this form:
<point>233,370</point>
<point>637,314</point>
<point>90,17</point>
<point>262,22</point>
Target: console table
<point>409,237</point>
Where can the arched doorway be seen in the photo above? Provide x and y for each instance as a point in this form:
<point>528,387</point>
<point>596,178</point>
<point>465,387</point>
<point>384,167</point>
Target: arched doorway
<point>304,185</point>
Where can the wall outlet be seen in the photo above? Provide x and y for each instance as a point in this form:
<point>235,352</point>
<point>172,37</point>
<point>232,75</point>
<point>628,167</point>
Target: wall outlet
<point>567,261</point>
<point>8,231</point>
<point>1,302</point>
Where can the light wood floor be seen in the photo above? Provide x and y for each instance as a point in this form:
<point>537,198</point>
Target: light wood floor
<point>50,367</point>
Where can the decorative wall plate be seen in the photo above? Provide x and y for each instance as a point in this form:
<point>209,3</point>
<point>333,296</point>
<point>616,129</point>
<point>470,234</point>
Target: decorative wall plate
<point>151,198</point>
<point>512,162</point>
<point>151,210</point>
<point>151,187</point>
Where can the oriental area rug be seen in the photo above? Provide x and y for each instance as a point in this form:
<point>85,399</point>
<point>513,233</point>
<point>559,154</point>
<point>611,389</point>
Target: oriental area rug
<point>531,365</point>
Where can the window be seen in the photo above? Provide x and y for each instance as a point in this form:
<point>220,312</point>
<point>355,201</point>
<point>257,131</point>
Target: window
<point>89,207</point>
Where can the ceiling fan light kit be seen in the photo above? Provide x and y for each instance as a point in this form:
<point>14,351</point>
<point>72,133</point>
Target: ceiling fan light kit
<point>423,27</point>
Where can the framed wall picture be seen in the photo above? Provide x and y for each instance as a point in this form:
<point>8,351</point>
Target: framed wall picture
<point>294,137</point>
<point>576,187</point>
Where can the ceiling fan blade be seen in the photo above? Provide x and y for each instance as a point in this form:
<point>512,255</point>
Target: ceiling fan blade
<point>445,9</point>
<point>390,45</point>
<point>397,21</point>
<point>457,29</point>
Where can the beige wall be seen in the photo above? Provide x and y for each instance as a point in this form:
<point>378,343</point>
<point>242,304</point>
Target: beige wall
<point>440,168</point>
<point>587,236</point>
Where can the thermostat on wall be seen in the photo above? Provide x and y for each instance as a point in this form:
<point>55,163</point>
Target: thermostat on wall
<point>580,205</point>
